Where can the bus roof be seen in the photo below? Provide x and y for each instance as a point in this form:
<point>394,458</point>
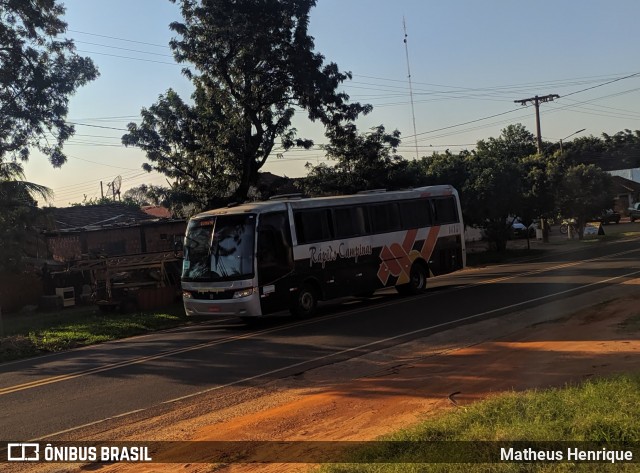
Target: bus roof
<point>311,202</point>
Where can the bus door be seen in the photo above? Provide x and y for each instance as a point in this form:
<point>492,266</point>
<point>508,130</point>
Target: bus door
<point>275,261</point>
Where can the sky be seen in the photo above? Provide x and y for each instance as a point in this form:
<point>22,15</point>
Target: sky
<point>469,61</point>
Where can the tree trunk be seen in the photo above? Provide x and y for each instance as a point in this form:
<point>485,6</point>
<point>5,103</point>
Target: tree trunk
<point>249,178</point>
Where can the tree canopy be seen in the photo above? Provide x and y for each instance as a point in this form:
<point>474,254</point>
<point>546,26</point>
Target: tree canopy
<point>491,180</point>
<point>584,192</point>
<point>253,66</point>
<point>501,179</point>
<point>363,162</point>
<point>38,73</point>
<point>610,152</point>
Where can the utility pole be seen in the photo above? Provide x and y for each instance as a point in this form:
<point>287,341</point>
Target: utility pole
<point>544,226</point>
<point>536,102</point>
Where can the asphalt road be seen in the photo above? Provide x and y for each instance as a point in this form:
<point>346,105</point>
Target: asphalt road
<point>49,395</point>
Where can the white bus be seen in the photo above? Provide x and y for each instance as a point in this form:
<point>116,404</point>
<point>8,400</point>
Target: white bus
<point>289,252</point>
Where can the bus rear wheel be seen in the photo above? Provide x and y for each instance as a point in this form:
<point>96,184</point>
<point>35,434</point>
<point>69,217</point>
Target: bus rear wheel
<point>417,281</point>
<point>305,301</point>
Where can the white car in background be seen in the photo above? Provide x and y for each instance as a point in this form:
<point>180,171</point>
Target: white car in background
<point>520,230</point>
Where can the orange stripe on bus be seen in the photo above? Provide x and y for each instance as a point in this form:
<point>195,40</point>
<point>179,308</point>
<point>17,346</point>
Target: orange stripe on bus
<point>409,240</point>
<point>430,243</point>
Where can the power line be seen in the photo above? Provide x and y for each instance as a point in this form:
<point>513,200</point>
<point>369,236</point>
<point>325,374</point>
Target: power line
<point>120,39</point>
<point>97,126</point>
<point>555,83</point>
<point>129,57</point>
<point>465,123</point>
<point>606,83</point>
<point>124,49</point>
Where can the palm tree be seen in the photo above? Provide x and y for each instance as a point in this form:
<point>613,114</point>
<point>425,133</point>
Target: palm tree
<point>19,212</point>
<point>14,191</point>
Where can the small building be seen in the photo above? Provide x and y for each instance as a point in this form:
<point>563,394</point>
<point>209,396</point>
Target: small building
<point>625,193</point>
<point>93,231</point>
<point>116,254</point>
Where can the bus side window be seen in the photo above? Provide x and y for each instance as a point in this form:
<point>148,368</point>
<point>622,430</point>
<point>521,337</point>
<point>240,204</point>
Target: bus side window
<point>384,217</point>
<point>445,211</point>
<point>313,225</point>
<point>350,222</point>
<point>415,214</point>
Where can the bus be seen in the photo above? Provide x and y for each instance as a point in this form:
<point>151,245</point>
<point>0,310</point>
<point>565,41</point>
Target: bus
<point>259,258</point>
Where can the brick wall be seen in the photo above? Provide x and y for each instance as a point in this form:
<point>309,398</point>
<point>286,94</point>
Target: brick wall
<point>144,238</point>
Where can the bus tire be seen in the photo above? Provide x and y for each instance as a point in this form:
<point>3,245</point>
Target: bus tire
<point>417,280</point>
<point>305,301</point>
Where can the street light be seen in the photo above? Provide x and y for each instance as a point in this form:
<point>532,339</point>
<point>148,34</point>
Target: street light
<point>560,141</point>
<point>574,133</point>
<point>543,221</point>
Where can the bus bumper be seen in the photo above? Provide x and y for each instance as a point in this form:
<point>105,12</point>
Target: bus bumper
<point>242,307</point>
<point>248,306</point>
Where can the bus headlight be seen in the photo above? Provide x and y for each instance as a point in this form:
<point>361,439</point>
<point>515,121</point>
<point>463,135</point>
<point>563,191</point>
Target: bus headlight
<point>186,295</point>
<point>243,293</point>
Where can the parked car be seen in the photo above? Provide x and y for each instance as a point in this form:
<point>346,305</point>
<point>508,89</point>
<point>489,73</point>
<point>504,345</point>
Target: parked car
<point>608,216</point>
<point>634,211</point>
<point>520,230</point>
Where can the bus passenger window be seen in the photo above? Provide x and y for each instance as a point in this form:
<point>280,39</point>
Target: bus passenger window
<point>415,214</point>
<point>313,225</point>
<point>445,210</point>
<point>384,218</point>
<point>350,222</point>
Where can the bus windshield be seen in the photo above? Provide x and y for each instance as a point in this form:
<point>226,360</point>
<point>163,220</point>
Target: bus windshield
<point>219,248</point>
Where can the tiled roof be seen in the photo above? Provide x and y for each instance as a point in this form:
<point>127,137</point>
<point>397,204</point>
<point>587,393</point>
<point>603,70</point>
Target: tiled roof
<point>83,216</point>
<point>156,211</point>
<point>626,184</point>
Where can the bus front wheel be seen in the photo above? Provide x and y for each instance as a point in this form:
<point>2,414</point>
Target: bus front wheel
<point>305,301</point>
<point>417,281</point>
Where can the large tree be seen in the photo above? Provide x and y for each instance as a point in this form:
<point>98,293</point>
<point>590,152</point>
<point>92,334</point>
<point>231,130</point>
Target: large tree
<point>584,193</point>
<point>618,151</point>
<point>363,161</point>
<point>253,65</point>
<point>490,179</point>
<point>38,73</point>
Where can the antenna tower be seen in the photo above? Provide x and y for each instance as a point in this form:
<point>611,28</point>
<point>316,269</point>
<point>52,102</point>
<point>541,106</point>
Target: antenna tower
<point>413,112</point>
<point>115,186</point>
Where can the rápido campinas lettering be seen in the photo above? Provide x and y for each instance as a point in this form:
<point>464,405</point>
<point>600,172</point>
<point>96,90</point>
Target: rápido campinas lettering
<point>322,255</point>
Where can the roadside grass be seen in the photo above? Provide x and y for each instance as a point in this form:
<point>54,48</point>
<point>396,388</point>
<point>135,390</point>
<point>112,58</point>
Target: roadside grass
<point>483,258</point>
<point>610,236</point>
<point>602,410</point>
<point>486,256</point>
<point>38,333</point>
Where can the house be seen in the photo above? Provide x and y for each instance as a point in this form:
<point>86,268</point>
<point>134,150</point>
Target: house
<point>91,246</point>
<point>87,232</point>
<point>625,192</point>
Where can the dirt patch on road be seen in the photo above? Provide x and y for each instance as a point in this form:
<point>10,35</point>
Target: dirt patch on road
<point>381,392</point>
